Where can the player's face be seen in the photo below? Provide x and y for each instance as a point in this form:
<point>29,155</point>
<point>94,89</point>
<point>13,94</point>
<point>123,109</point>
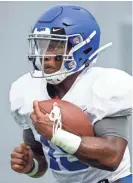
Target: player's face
<point>54,56</point>
<point>52,63</point>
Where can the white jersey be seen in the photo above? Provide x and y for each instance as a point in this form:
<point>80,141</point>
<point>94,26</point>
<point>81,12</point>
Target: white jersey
<point>100,93</point>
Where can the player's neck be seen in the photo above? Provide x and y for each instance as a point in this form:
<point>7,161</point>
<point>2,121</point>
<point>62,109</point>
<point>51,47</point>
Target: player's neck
<point>63,88</point>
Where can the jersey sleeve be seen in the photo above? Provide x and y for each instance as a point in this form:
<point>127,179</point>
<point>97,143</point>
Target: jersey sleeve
<point>21,96</point>
<point>112,94</point>
<point>112,127</point>
<point>17,102</point>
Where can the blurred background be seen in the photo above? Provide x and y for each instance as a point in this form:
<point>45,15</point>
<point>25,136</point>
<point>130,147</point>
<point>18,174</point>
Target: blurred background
<point>16,19</point>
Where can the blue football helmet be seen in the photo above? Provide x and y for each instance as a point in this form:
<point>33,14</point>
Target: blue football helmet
<point>67,32</point>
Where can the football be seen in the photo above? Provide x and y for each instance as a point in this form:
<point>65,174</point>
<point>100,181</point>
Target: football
<point>74,120</point>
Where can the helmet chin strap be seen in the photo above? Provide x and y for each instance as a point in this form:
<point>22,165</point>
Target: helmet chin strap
<point>56,79</point>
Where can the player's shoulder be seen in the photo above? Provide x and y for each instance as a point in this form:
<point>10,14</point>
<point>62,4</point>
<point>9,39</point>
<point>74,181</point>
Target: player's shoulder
<point>113,73</point>
<point>108,93</point>
<point>101,73</point>
<point>25,80</point>
<point>112,82</point>
<point>24,89</point>
<point>112,93</point>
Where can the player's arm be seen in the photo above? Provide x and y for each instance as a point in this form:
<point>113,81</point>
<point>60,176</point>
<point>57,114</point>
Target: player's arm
<point>37,150</point>
<point>106,150</point>
<point>28,157</point>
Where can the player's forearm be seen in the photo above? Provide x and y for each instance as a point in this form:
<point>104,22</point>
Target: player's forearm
<point>99,152</point>
<point>42,165</point>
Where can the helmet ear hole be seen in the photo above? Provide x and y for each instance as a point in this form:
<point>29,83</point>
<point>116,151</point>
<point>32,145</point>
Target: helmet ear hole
<point>87,50</point>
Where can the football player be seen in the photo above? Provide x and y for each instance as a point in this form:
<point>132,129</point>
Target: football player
<point>63,44</point>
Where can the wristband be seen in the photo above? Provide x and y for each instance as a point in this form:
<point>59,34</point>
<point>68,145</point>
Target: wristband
<point>66,140</point>
<point>34,169</point>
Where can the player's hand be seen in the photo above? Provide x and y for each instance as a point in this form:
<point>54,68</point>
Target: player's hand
<point>41,121</point>
<point>22,159</point>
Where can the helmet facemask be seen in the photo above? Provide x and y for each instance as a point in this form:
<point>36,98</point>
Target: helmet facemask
<point>44,46</point>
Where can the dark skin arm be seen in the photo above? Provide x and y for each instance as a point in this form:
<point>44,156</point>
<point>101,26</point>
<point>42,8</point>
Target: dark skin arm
<point>42,165</point>
<point>104,153</point>
<point>36,148</point>
<point>101,152</point>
